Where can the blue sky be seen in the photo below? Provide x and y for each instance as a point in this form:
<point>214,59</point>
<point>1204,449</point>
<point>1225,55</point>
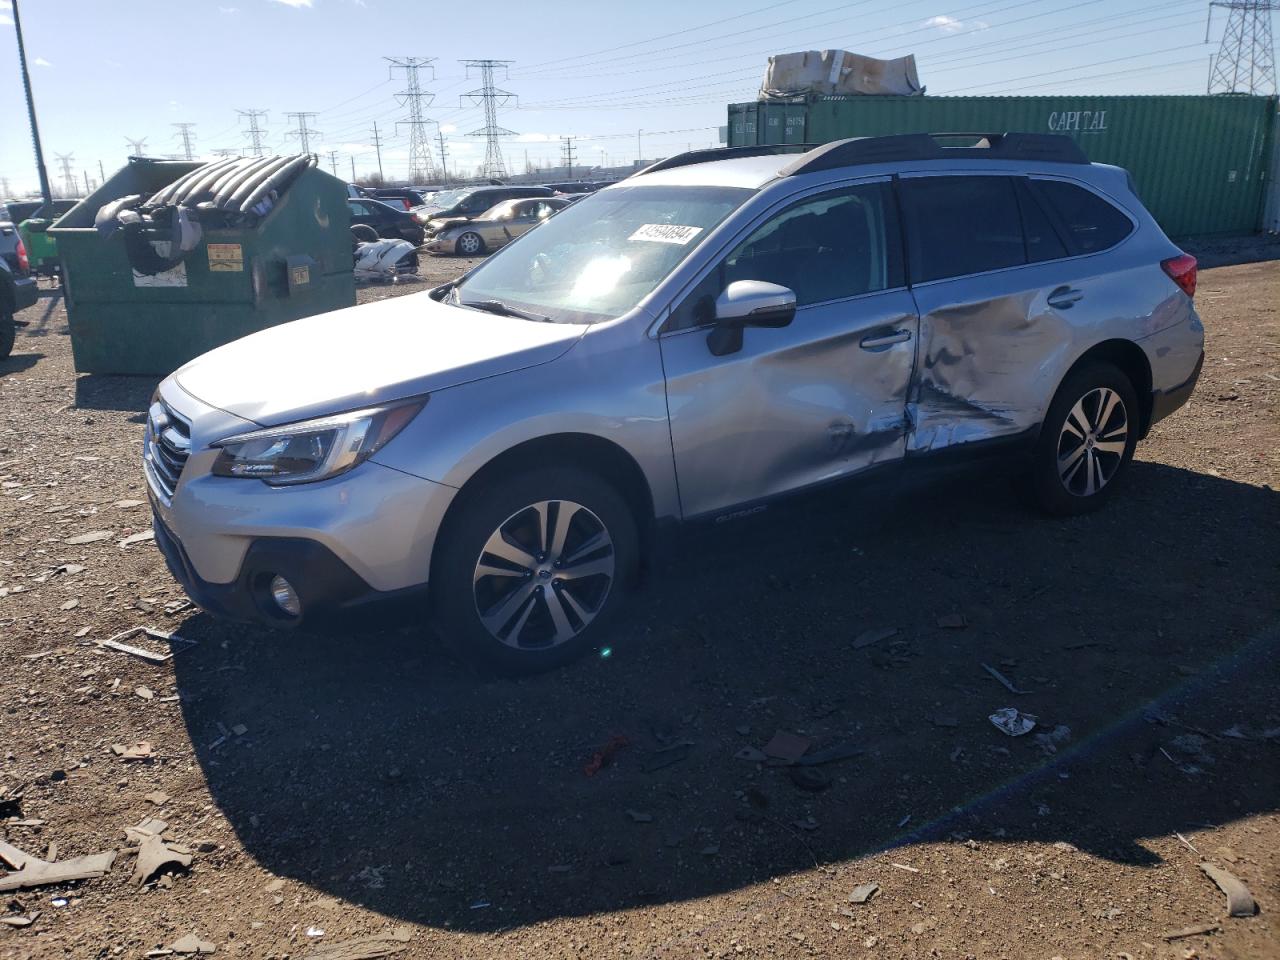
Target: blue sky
<point>104,70</point>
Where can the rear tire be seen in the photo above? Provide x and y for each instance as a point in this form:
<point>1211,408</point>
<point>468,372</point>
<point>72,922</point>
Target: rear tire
<point>8,334</point>
<point>531,568</point>
<point>1086,442</point>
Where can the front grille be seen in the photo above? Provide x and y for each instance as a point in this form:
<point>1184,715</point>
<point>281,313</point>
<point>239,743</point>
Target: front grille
<point>167,446</point>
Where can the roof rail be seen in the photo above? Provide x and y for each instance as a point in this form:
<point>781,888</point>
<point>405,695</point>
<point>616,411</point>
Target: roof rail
<point>1045,147</point>
<point>725,153</point>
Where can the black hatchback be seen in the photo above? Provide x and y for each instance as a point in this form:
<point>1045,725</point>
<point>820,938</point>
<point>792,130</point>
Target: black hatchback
<point>390,222</point>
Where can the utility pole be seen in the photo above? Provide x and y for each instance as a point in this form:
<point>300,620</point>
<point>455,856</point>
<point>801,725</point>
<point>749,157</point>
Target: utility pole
<point>4,187</point>
<point>492,98</point>
<point>333,161</point>
<point>184,133</point>
<point>639,150</point>
<point>444,156</point>
<point>68,178</point>
<point>255,132</point>
<point>31,107</point>
<point>377,145</point>
<point>566,154</point>
<point>1246,60</point>
<point>102,173</point>
<point>137,148</point>
<point>353,167</point>
<point>304,133</point>
<point>421,166</point>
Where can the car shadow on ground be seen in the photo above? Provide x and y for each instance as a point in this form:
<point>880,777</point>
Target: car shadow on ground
<point>379,771</point>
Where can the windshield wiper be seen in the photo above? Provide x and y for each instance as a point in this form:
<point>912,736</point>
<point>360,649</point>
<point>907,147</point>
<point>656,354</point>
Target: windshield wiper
<point>505,310</point>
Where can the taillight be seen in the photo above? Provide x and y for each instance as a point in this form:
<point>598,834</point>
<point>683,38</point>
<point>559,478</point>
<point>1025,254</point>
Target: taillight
<point>1182,271</point>
<point>24,263</point>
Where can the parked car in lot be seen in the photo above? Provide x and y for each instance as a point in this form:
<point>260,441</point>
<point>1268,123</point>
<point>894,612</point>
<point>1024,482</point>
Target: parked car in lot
<point>573,186</point>
<point>724,328</point>
<point>470,202</point>
<point>42,249</point>
<point>390,222</point>
<point>400,197</point>
<point>18,289</point>
<point>494,228</point>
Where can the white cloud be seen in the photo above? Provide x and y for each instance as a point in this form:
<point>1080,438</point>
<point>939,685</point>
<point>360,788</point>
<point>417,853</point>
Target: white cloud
<point>448,128</point>
<point>228,11</point>
<point>6,20</point>
<point>949,24</point>
<point>296,4</point>
<point>41,62</point>
<point>537,137</point>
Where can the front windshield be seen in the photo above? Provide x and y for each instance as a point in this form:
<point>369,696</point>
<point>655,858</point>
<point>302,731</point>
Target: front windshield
<point>447,198</point>
<point>598,258</point>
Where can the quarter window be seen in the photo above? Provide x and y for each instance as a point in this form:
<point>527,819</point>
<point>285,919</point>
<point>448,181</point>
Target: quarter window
<point>1043,242</point>
<point>830,247</point>
<point>961,225</point>
<point>1091,223</point>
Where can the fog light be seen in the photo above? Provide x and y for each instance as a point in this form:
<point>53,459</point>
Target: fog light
<point>286,598</point>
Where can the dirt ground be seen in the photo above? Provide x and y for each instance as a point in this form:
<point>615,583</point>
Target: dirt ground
<point>349,786</point>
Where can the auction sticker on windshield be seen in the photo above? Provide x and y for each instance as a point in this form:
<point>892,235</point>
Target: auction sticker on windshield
<point>666,233</point>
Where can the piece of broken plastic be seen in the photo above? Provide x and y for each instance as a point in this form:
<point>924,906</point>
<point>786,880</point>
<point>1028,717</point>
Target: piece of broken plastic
<point>1011,721</point>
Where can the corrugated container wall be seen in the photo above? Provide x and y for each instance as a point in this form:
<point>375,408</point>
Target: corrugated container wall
<point>1200,162</point>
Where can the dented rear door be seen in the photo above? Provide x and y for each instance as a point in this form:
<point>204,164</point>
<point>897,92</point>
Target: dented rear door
<point>992,344</point>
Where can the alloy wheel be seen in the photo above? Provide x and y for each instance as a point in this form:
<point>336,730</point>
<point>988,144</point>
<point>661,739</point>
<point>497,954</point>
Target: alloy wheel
<point>543,575</point>
<point>1092,443</point>
<point>469,243</point>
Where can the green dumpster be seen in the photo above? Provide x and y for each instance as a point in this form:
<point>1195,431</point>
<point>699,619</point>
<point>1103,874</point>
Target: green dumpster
<point>288,258</point>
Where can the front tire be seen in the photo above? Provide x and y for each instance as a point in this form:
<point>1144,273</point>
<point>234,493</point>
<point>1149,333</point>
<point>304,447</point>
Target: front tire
<point>8,334</point>
<point>469,245</point>
<point>531,568</point>
<point>1087,440</point>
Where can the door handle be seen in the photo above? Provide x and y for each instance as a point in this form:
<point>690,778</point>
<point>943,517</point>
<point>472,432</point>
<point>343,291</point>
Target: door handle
<point>885,340</point>
<point>1063,297</point>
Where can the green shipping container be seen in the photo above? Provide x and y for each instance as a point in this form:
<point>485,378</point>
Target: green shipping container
<point>1200,163</point>
<point>293,262</point>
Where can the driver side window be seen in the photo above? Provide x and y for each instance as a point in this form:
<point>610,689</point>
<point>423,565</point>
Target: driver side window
<point>829,247</point>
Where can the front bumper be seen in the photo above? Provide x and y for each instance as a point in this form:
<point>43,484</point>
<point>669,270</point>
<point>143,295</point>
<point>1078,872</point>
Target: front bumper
<point>25,292</point>
<point>439,244</point>
<point>331,593</point>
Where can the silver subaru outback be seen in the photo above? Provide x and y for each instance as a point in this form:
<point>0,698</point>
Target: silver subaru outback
<point>724,328</point>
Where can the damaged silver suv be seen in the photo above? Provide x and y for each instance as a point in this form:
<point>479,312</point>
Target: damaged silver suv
<point>724,328</point>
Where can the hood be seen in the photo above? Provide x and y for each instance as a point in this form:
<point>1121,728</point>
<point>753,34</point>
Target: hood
<point>440,224</point>
<point>364,355</point>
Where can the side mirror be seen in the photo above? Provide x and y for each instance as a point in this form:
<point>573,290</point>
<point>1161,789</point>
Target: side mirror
<point>748,303</point>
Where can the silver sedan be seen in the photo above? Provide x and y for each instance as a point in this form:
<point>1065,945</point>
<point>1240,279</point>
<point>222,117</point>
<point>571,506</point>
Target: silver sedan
<point>496,227</point>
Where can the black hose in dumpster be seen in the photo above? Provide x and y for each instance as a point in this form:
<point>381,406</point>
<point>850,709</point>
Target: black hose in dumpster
<point>232,184</point>
<point>183,236</point>
<point>228,177</point>
<point>162,195</point>
<point>233,204</point>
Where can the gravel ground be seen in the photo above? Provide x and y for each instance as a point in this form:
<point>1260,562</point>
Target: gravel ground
<point>341,787</point>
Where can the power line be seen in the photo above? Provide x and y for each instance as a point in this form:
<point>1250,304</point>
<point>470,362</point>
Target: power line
<point>304,133</point>
<point>491,98</point>
<point>566,153</point>
<point>255,133</point>
<point>377,145</point>
<point>444,156</point>
<point>421,166</point>
<point>186,136</point>
<point>68,178</point>
<point>1246,61</point>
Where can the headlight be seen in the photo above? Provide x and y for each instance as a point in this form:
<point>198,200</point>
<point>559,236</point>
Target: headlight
<point>313,449</point>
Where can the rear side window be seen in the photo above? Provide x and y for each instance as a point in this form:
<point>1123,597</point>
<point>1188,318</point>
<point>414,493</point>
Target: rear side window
<point>1090,223</point>
<point>1043,241</point>
<point>961,225</point>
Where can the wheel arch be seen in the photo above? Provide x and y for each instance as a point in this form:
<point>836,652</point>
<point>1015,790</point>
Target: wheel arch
<point>1132,362</point>
<point>586,451</point>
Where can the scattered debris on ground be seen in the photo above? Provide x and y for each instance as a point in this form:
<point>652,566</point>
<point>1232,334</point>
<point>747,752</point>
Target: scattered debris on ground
<point>29,871</point>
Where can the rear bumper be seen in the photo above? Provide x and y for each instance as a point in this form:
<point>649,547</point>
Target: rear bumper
<point>332,594</point>
<point>1165,402</point>
<point>25,292</point>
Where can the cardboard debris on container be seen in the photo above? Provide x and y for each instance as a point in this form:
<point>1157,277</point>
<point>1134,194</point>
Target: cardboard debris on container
<point>838,72</point>
<point>29,871</point>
